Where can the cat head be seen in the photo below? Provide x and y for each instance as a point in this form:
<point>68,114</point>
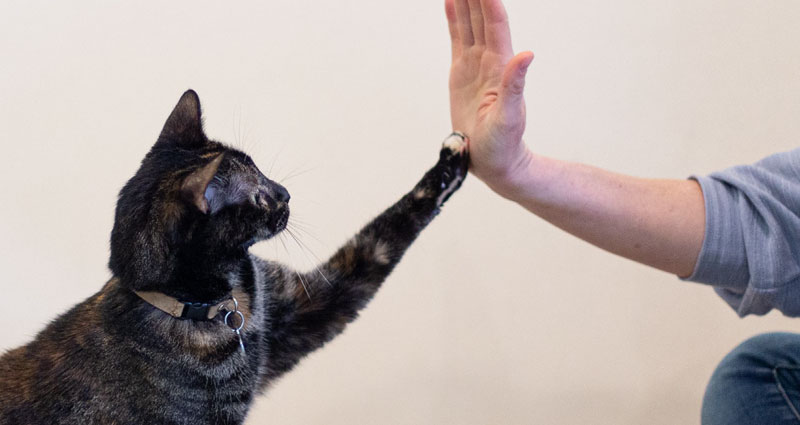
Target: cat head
<point>193,204</point>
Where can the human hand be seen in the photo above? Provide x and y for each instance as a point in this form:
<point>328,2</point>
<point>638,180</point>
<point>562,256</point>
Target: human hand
<point>486,91</point>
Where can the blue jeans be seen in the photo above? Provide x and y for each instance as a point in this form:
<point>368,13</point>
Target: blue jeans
<point>758,383</point>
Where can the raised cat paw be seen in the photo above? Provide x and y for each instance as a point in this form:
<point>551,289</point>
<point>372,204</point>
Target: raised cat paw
<point>454,156</point>
<point>456,144</point>
<point>446,177</point>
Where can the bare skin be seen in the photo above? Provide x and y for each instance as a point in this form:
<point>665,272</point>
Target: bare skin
<point>660,223</point>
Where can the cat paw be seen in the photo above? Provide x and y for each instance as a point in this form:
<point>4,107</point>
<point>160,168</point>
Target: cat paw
<point>446,176</point>
<point>456,144</point>
<point>453,164</point>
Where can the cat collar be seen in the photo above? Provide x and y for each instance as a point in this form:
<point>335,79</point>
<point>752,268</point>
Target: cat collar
<point>187,310</point>
<point>198,311</point>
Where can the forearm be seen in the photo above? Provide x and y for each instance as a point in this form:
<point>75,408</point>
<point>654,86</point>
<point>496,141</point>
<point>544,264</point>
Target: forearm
<point>659,223</point>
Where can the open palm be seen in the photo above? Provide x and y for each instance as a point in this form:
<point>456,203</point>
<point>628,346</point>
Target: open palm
<point>486,86</point>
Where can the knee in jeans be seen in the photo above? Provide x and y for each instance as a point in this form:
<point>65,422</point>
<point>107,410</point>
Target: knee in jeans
<point>761,352</point>
<point>751,359</point>
<point>748,373</point>
<point>763,349</point>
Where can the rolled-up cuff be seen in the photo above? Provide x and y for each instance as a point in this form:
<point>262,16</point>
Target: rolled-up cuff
<point>722,261</point>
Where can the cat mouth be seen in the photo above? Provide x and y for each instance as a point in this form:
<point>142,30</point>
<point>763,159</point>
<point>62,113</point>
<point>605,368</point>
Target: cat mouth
<point>276,225</point>
<point>282,221</point>
<point>278,221</point>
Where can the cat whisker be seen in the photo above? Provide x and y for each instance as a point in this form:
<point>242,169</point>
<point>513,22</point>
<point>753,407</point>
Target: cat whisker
<point>301,244</point>
<point>297,172</point>
<point>242,134</point>
<point>237,128</point>
<point>274,160</point>
<point>299,276</point>
<point>307,253</point>
<point>305,248</point>
<point>302,282</point>
<point>306,231</point>
<point>298,219</point>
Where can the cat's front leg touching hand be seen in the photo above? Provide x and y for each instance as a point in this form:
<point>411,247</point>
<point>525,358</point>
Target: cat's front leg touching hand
<point>316,306</point>
<point>448,174</point>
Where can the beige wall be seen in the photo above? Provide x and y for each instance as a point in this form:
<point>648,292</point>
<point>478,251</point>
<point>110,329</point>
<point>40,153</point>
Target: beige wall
<point>494,316</point>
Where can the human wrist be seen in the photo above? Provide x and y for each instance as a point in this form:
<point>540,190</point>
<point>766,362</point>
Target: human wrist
<point>516,181</point>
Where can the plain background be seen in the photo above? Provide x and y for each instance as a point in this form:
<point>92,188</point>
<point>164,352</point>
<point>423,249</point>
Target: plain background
<point>493,317</point>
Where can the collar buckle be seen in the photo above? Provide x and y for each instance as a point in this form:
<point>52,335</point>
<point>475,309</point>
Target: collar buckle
<point>186,310</point>
<point>196,311</point>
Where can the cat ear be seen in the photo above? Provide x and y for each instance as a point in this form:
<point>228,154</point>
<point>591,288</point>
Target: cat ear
<point>194,186</point>
<point>184,126</point>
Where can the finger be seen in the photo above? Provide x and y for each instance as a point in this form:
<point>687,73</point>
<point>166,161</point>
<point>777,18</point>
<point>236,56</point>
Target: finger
<point>512,87</point>
<point>464,23</point>
<point>495,26</point>
<point>452,25</point>
<point>476,18</point>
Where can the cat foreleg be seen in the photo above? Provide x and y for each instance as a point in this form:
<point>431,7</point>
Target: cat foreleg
<point>310,309</point>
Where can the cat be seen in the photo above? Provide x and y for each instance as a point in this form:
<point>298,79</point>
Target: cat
<point>191,326</point>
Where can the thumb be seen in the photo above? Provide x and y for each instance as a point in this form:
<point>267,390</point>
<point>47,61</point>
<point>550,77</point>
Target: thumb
<point>513,83</point>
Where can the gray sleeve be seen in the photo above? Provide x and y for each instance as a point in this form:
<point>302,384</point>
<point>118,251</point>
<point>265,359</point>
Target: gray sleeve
<point>751,249</point>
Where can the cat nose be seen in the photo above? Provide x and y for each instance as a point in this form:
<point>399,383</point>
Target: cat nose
<point>281,194</point>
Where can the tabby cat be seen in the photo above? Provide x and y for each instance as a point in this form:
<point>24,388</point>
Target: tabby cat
<point>192,326</point>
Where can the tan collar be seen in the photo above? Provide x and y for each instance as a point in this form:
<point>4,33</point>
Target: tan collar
<point>186,310</point>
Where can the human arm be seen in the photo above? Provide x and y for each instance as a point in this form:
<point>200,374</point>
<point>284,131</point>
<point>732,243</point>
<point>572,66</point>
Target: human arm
<point>655,222</point>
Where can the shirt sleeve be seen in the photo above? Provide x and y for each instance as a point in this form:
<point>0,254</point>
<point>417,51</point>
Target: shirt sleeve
<point>751,248</point>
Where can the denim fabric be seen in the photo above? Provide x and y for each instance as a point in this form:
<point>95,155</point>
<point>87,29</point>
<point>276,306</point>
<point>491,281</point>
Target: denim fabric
<point>758,383</point>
